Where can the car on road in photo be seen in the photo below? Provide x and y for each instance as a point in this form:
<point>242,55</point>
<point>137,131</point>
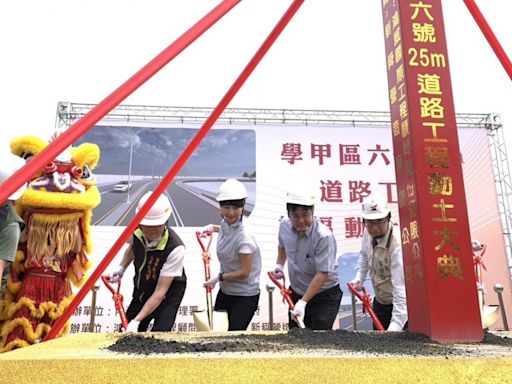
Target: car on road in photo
<point>123,186</point>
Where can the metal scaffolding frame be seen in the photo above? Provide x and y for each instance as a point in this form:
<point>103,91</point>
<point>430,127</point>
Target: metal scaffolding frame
<point>68,113</point>
<point>502,179</point>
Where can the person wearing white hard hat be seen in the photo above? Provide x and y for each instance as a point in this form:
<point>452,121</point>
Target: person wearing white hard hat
<point>239,257</point>
<point>309,247</point>
<point>159,283</point>
<point>381,255</point>
<point>11,223</point>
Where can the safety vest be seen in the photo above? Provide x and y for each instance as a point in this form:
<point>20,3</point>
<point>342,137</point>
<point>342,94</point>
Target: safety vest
<point>380,265</point>
<point>149,262</point>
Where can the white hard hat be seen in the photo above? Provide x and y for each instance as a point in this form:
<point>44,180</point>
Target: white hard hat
<point>9,164</point>
<point>375,207</point>
<point>231,189</point>
<point>301,197</point>
<point>476,245</point>
<point>159,213</point>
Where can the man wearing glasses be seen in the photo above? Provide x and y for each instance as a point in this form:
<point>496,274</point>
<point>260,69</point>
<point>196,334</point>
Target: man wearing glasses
<point>381,254</point>
<point>310,249</point>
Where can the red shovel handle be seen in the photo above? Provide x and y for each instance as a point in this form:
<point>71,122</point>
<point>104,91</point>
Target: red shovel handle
<point>286,296</point>
<point>282,289</point>
<point>205,246</point>
<point>118,299</point>
<point>366,300</point>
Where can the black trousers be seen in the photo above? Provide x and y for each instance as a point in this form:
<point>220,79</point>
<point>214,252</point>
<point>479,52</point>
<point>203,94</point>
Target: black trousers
<point>384,313</point>
<point>321,311</point>
<point>165,314</point>
<point>240,309</point>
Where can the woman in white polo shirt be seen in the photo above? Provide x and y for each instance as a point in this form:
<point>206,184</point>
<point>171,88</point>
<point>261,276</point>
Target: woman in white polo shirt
<point>239,258</point>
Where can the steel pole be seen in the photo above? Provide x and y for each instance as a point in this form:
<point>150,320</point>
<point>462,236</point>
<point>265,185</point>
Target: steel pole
<point>354,314</point>
<point>498,288</point>
<point>270,290</point>
<point>93,308</point>
<point>129,172</point>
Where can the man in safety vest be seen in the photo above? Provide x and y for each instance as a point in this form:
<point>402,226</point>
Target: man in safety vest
<point>381,255</point>
<point>159,282</point>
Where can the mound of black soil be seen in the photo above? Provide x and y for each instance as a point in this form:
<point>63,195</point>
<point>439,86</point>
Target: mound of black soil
<point>307,341</point>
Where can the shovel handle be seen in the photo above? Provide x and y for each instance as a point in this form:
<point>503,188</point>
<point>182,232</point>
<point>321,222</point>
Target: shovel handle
<point>366,300</point>
<point>286,297</point>
<point>118,299</point>
<point>205,246</point>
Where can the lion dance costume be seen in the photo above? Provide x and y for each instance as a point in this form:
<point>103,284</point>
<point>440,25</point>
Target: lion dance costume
<point>57,208</point>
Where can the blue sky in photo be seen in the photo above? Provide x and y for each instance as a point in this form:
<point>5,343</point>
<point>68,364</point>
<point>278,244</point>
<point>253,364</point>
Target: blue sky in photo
<point>223,152</point>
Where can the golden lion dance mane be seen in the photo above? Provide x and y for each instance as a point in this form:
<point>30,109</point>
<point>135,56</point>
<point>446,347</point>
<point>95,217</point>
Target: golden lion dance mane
<point>57,208</point>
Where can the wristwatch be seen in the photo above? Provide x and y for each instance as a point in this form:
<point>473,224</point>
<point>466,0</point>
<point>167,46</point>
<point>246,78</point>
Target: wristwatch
<point>221,276</point>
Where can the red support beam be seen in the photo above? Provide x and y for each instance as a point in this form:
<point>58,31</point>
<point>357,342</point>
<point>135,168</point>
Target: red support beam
<point>78,129</point>
<point>490,36</point>
<point>176,167</point>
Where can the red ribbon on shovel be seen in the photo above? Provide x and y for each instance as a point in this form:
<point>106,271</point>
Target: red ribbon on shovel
<point>118,299</point>
<point>367,305</point>
<point>286,297</point>
<point>478,261</point>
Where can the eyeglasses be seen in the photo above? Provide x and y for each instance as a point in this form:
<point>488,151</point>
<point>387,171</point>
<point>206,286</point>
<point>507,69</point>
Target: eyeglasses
<point>376,222</point>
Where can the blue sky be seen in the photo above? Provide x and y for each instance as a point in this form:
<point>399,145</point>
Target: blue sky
<point>226,152</point>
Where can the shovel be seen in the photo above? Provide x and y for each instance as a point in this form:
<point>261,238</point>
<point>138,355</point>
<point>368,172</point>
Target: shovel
<point>488,313</point>
<point>286,297</point>
<point>210,320</point>
<point>118,299</point>
<point>366,300</point>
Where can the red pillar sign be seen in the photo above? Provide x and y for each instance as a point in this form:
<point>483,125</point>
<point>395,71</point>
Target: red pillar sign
<point>440,282</point>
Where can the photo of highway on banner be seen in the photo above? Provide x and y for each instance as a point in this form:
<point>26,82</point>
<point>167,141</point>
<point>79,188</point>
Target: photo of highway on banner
<point>134,160</point>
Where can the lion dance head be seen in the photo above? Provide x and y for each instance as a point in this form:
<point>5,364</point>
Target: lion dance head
<point>57,208</point>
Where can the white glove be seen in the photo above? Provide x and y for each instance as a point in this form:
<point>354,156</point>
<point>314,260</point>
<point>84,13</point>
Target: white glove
<point>394,327</point>
<point>299,309</point>
<point>133,326</point>
<point>278,272</point>
<point>116,275</point>
<point>206,230</point>
<point>212,282</point>
<point>358,284</point>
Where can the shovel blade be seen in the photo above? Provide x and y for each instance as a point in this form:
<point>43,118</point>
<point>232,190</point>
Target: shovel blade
<point>490,314</point>
<point>201,321</point>
<point>220,321</point>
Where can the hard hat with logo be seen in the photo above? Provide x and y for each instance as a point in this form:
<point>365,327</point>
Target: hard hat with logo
<point>9,164</point>
<point>159,213</point>
<point>301,196</point>
<point>231,189</point>
<point>375,207</point>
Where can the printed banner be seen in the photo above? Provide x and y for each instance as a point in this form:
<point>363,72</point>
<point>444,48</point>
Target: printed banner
<point>344,163</point>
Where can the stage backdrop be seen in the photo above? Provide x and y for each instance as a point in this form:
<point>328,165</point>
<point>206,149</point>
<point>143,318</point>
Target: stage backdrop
<point>343,163</point>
